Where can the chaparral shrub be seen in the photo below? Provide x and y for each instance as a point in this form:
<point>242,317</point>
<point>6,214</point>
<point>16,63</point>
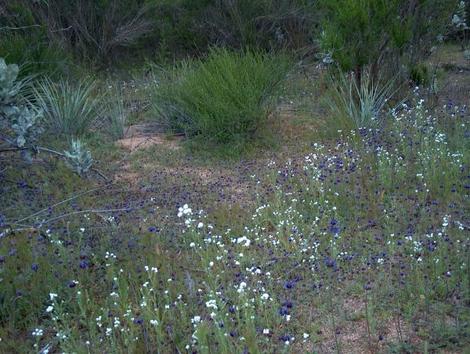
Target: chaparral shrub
<point>356,33</point>
<point>225,97</point>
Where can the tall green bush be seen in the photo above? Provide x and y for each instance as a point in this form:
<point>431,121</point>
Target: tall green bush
<point>356,33</point>
<point>228,96</point>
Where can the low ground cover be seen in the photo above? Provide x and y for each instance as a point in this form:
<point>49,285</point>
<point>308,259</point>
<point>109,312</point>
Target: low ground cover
<point>357,244</point>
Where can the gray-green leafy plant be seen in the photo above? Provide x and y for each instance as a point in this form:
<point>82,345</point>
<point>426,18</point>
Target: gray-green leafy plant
<point>459,23</point>
<point>459,17</point>
<point>17,116</point>
<point>26,125</point>
<point>9,87</point>
<point>69,109</point>
<point>78,158</point>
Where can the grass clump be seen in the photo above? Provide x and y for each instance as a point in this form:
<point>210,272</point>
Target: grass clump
<point>223,99</point>
<point>117,116</point>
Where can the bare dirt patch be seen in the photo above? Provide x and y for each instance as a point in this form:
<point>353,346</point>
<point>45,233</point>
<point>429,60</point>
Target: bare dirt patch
<point>144,142</point>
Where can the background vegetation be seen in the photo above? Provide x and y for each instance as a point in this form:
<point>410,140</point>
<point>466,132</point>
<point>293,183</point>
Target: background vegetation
<point>234,176</point>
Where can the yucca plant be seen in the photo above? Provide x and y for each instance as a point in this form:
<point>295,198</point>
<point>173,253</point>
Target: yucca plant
<point>70,110</point>
<point>358,103</point>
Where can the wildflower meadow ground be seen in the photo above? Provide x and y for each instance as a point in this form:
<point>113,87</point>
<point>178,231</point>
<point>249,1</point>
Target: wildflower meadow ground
<point>359,245</point>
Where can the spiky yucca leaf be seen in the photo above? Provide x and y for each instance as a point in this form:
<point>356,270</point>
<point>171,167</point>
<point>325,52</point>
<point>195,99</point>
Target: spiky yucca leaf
<point>69,109</point>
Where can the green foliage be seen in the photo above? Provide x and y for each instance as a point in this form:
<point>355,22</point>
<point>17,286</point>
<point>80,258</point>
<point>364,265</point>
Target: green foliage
<point>25,42</point>
<point>24,121</point>
<point>70,109</point>
<point>357,103</point>
<point>358,33</point>
<point>92,30</point>
<point>420,74</point>
<point>226,97</point>
<point>26,125</point>
<point>193,26</point>
<point>34,53</point>
<point>117,117</point>
<point>259,24</point>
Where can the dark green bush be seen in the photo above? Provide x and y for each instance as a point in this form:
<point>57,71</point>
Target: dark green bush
<point>92,30</point>
<point>226,97</point>
<point>24,41</point>
<point>420,74</point>
<point>32,52</point>
<point>184,26</point>
<point>262,24</point>
<point>369,32</point>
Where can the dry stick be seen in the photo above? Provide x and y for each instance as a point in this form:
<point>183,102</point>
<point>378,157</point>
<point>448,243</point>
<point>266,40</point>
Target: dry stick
<point>54,152</point>
<point>367,322</point>
<point>18,28</point>
<point>57,204</point>
<point>96,211</point>
<point>9,28</point>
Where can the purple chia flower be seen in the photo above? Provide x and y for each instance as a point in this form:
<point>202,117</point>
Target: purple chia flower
<point>289,284</point>
<point>35,267</point>
<point>330,262</point>
<point>22,184</point>
<point>284,311</point>
<point>334,227</point>
<point>84,264</point>
<point>288,304</point>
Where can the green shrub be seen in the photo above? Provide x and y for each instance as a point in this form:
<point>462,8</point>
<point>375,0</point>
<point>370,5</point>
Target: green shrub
<point>32,52</point>
<point>70,110</point>
<point>24,41</point>
<point>226,97</point>
<point>367,32</point>
<point>261,24</point>
<point>91,30</point>
<point>420,74</point>
<point>192,26</point>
